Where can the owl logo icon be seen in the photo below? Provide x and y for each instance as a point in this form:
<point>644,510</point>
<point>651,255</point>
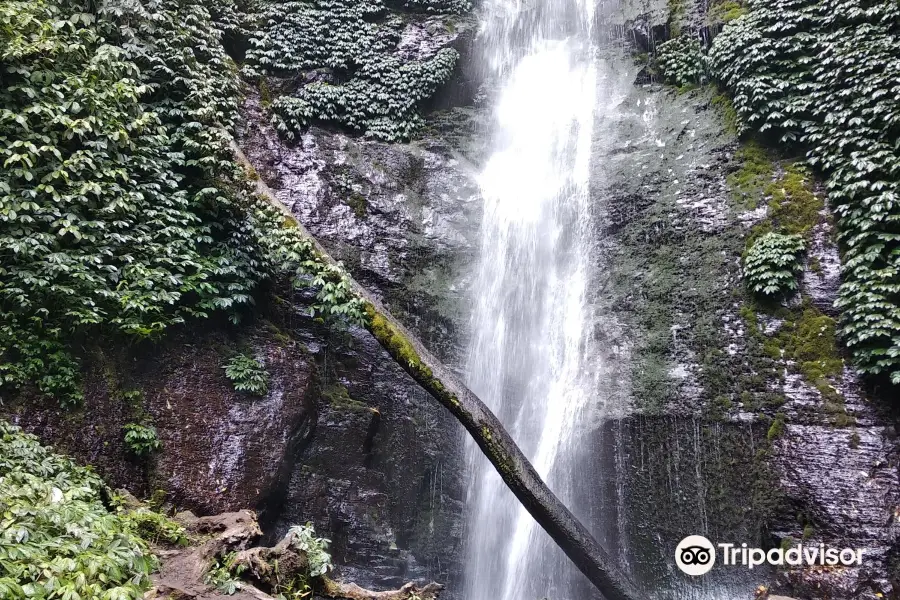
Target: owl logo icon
<point>695,555</point>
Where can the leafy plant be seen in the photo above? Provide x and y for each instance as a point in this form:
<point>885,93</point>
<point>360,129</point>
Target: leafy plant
<point>141,439</point>
<point>823,75</point>
<point>681,61</point>
<point>225,575</point>
<point>57,539</point>
<point>773,262</point>
<point>362,82</point>
<point>295,589</point>
<point>303,537</point>
<point>247,374</point>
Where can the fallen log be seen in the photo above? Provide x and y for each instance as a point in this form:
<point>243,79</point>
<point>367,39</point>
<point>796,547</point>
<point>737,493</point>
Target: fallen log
<point>485,428</point>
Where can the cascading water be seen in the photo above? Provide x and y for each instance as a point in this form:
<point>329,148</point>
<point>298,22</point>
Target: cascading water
<point>529,357</point>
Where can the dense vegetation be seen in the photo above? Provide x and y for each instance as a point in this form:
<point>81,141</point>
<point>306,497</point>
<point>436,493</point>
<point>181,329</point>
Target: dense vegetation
<point>57,538</point>
<point>824,75</point>
<point>363,81</point>
<point>122,211</point>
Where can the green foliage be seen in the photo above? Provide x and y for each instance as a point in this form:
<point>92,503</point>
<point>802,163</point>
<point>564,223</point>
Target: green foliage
<point>295,589</point>
<point>824,75</point>
<point>363,82</point>
<point>224,575</point>
<point>154,527</point>
<point>726,108</point>
<point>121,208</point>
<point>776,429</point>
<point>107,212</point>
<point>303,537</point>
<point>773,262</point>
<point>811,342</point>
<point>681,61</point>
<point>141,440</point>
<point>247,374</point>
<point>57,540</point>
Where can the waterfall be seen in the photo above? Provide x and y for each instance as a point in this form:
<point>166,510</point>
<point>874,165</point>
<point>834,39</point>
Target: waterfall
<point>530,352</point>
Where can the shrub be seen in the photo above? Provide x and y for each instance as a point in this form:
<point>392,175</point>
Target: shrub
<point>57,539</point>
<point>772,264</point>
<point>122,210</point>
<point>141,440</point>
<point>247,374</point>
<point>824,75</point>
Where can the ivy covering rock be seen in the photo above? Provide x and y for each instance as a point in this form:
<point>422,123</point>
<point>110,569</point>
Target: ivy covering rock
<point>825,76</point>
<point>122,210</point>
<point>681,61</point>
<point>362,82</point>
<point>772,264</point>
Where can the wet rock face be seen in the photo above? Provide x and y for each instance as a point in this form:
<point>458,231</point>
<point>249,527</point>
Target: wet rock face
<point>402,217</point>
<point>667,246</point>
<point>220,449</point>
<point>665,478</point>
<point>227,450</point>
<point>382,473</point>
<point>844,484</point>
<point>679,340</point>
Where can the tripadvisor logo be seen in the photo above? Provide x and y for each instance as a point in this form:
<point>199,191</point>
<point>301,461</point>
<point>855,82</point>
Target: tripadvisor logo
<point>695,555</point>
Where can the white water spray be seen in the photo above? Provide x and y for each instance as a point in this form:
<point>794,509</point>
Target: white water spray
<point>531,346</point>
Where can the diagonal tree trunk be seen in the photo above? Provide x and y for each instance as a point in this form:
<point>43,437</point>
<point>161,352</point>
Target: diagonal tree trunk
<point>488,432</point>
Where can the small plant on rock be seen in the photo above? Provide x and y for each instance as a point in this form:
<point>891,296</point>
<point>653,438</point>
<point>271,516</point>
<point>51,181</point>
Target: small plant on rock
<point>155,527</point>
<point>772,263</point>
<point>304,539</point>
<point>224,574</point>
<point>141,440</point>
<point>247,374</point>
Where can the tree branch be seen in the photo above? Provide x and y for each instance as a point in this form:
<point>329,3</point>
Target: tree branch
<point>486,429</point>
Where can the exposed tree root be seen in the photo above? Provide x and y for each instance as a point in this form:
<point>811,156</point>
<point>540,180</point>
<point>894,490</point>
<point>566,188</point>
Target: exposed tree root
<point>182,572</point>
<point>490,435</point>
